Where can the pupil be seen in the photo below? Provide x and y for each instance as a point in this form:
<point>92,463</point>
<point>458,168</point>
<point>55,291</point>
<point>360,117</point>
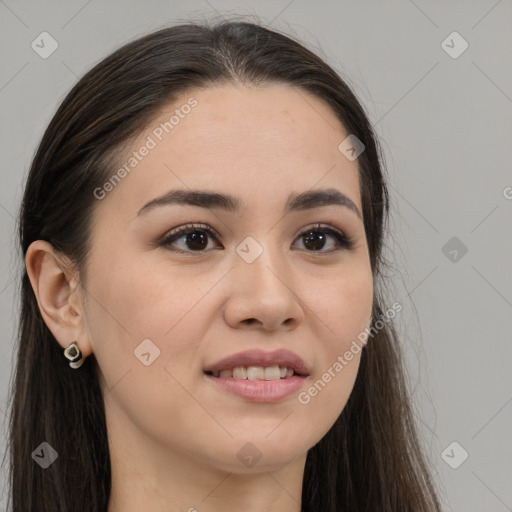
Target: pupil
<point>194,238</point>
<point>315,237</point>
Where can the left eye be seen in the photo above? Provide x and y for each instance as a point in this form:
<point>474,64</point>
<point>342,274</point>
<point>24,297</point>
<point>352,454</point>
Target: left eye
<point>196,238</point>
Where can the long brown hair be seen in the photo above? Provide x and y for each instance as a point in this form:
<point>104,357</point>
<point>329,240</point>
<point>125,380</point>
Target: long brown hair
<point>371,459</point>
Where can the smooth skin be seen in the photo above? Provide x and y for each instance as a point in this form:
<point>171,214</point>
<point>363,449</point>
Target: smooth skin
<point>173,436</point>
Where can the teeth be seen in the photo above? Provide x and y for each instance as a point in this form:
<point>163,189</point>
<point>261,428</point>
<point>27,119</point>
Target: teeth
<point>272,373</point>
<point>239,372</point>
<point>257,372</point>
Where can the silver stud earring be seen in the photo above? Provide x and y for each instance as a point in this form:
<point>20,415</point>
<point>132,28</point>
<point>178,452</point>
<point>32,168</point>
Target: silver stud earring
<point>74,354</point>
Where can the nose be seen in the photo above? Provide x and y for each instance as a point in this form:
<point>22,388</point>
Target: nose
<point>262,295</point>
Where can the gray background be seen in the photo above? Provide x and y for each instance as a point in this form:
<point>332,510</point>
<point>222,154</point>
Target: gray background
<point>445,126</point>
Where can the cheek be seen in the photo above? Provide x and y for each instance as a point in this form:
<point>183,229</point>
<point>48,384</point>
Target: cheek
<point>130,307</point>
<point>130,303</point>
<point>143,301</point>
<point>344,311</point>
<point>324,398</point>
<point>343,305</point>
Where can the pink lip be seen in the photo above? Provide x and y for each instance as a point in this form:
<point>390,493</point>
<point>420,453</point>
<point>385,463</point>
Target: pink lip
<point>258,357</point>
<point>259,390</point>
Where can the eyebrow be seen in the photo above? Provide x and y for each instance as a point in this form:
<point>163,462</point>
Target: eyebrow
<point>216,200</point>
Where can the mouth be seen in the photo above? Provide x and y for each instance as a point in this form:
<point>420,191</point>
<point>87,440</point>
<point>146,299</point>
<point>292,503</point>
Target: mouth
<point>268,373</point>
<point>259,376</point>
<point>259,365</point>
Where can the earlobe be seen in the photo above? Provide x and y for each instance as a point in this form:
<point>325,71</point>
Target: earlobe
<point>55,288</point>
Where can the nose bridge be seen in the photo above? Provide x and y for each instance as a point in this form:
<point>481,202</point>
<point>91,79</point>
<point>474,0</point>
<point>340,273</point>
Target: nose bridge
<point>261,262</point>
<point>261,288</point>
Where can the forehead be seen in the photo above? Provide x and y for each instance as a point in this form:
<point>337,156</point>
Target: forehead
<point>279,117</point>
<point>254,142</point>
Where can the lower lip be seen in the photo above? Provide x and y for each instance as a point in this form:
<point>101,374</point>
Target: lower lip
<point>259,390</point>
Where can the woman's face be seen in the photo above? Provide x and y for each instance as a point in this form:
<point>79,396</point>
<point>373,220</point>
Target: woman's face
<point>157,318</point>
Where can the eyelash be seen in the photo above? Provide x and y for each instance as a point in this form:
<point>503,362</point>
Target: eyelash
<point>344,242</point>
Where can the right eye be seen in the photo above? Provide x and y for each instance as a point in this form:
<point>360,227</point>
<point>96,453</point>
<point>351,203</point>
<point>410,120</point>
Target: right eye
<point>194,235</point>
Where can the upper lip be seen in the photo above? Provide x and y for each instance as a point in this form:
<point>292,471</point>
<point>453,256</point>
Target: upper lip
<point>257,357</point>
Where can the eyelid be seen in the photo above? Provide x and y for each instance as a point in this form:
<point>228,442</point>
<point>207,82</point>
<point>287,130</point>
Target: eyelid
<point>321,225</point>
<point>190,225</point>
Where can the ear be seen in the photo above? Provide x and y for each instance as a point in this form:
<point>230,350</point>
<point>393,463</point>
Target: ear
<point>58,294</point>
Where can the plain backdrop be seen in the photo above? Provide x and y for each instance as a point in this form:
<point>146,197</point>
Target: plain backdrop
<point>435,79</point>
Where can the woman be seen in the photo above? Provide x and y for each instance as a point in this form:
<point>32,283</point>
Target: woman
<point>201,324</point>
